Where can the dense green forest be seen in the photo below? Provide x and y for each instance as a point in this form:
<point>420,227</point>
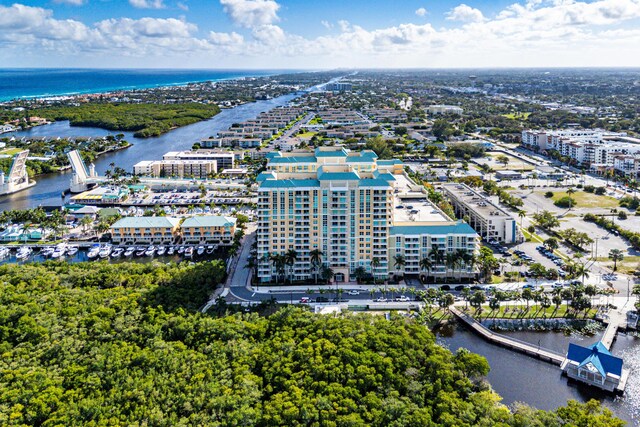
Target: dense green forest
<point>123,344</point>
<point>144,119</point>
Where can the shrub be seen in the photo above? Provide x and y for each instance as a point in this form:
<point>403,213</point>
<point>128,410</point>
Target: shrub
<point>600,191</point>
<point>589,188</point>
<point>548,194</point>
<point>630,202</point>
<point>622,215</point>
<point>565,202</point>
<point>445,287</point>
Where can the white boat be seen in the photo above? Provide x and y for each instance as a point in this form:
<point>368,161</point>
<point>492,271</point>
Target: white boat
<point>188,252</point>
<point>93,251</point>
<point>23,252</point>
<point>140,251</point>
<point>129,252</point>
<point>117,252</point>
<point>47,251</point>
<point>181,250</point>
<point>161,250</point>
<point>72,250</point>
<point>4,252</point>
<point>210,249</point>
<point>59,251</point>
<point>171,250</point>
<point>150,251</point>
<point>105,251</point>
<point>200,250</point>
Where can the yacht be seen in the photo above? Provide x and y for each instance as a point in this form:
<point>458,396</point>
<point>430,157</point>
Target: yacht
<point>59,251</point>
<point>117,253</point>
<point>210,249</point>
<point>200,250</point>
<point>105,251</point>
<point>129,252</point>
<point>150,251</point>
<point>72,250</point>
<point>4,252</point>
<point>23,252</point>
<point>171,250</point>
<point>47,251</point>
<point>181,250</point>
<point>93,251</point>
<point>161,250</point>
<point>140,250</point>
<point>188,252</point>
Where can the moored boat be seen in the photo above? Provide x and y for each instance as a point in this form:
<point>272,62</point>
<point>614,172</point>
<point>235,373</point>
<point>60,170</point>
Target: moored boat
<point>188,252</point>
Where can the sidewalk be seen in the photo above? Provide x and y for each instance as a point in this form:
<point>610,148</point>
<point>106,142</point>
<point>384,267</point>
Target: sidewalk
<point>329,288</point>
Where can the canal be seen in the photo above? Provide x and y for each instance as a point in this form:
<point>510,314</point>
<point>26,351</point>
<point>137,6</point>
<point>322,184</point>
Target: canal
<point>520,378</point>
<point>47,191</point>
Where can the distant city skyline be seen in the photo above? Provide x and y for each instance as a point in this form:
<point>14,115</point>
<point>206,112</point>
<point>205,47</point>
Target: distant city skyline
<point>294,34</point>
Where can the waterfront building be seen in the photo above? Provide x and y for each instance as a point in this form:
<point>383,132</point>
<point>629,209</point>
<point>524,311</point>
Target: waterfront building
<point>488,219</point>
<point>199,169</point>
<point>223,159</point>
<point>594,365</point>
<point>208,229</point>
<point>352,208</point>
<point>145,230</point>
<point>107,195</point>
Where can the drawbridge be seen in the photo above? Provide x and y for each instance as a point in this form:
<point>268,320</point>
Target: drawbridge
<point>18,179</point>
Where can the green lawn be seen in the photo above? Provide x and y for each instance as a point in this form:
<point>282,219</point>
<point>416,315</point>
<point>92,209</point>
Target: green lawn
<point>513,116</point>
<point>533,312</point>
<point>587,200</point>
<point>11,151</point>
<point>306,135</point>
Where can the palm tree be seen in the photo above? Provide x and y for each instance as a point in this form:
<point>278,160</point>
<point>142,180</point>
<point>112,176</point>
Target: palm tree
<point>616,255</point>
<point>426,265</point>
<point>327,274</point>
<point>462,257</point>
<point>579,269</point>
<point>521,215</point>
<point>316,259</point>
<point>451,260</point>
<point>375,263</point>
<point>399,261</point>
<point>278,261</point>
<point>360,273</point>
<point>290,259</point>
<point>437,255</point>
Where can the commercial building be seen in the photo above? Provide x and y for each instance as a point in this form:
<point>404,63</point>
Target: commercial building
<point>208,229</point>
<point>444,109</point>
<point>198,169</point>
<point>488,219</point>
<point>223,159</point>
<point>358,211</point>
<point>594,365</point>
<point>338,87</point>
<point>145,230</point>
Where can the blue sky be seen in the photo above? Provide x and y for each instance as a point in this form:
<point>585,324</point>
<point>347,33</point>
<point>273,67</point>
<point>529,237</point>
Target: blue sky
<point>332,33</point>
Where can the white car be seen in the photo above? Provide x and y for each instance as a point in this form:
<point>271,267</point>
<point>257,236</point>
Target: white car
<point>353,292</point>
<point>381,299</point>
<point>402,298</point>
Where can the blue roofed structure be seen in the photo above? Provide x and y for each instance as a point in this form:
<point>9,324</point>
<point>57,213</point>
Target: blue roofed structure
<point>594,365</point>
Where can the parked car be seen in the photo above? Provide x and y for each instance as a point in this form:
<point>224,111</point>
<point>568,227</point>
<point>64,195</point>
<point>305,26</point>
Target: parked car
<point>353,292</point>
<point>305,300</point>
<point>322,299</point>
<point>380,299</point>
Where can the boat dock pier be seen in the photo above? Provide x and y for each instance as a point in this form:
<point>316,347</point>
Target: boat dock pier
<point>508,342</point>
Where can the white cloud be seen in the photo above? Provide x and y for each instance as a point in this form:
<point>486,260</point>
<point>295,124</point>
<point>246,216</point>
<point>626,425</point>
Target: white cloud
<point>182,6</point>
<point>147,4</point>
<point>421,11</point>
<point>328,25</point>
<point>226,39</point>
<point>535,33</point>
<point>251,13</point>
<point>464,13</point>
<point>71,2</point>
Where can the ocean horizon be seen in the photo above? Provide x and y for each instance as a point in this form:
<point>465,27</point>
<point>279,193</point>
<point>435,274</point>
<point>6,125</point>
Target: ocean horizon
<point>28,83</point>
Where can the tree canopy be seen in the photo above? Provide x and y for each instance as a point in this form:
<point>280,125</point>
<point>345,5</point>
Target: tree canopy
<point>124,344</point>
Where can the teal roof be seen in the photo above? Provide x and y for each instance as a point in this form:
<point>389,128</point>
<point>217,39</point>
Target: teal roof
<point>338,176</point>
<point>361,156</point>
<point>373,182</point>
<point>209,221</point>
<point>265,175</point>
<point>297,159</point>
<point>389,162</point>
<point>451,228</point>
<point>289,183</point>
<point>338,153</point>
<point>146,222</point>
<point>387,176</point>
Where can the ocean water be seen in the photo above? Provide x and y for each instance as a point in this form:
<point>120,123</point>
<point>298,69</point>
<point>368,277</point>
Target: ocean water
<point>45,82</point>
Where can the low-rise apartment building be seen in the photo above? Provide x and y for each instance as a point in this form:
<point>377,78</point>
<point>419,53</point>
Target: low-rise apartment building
<point>208,229</point>
<point>199,169</point>
<point>223,159</point>
<point>488,219</point>
<point>145,230</point>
